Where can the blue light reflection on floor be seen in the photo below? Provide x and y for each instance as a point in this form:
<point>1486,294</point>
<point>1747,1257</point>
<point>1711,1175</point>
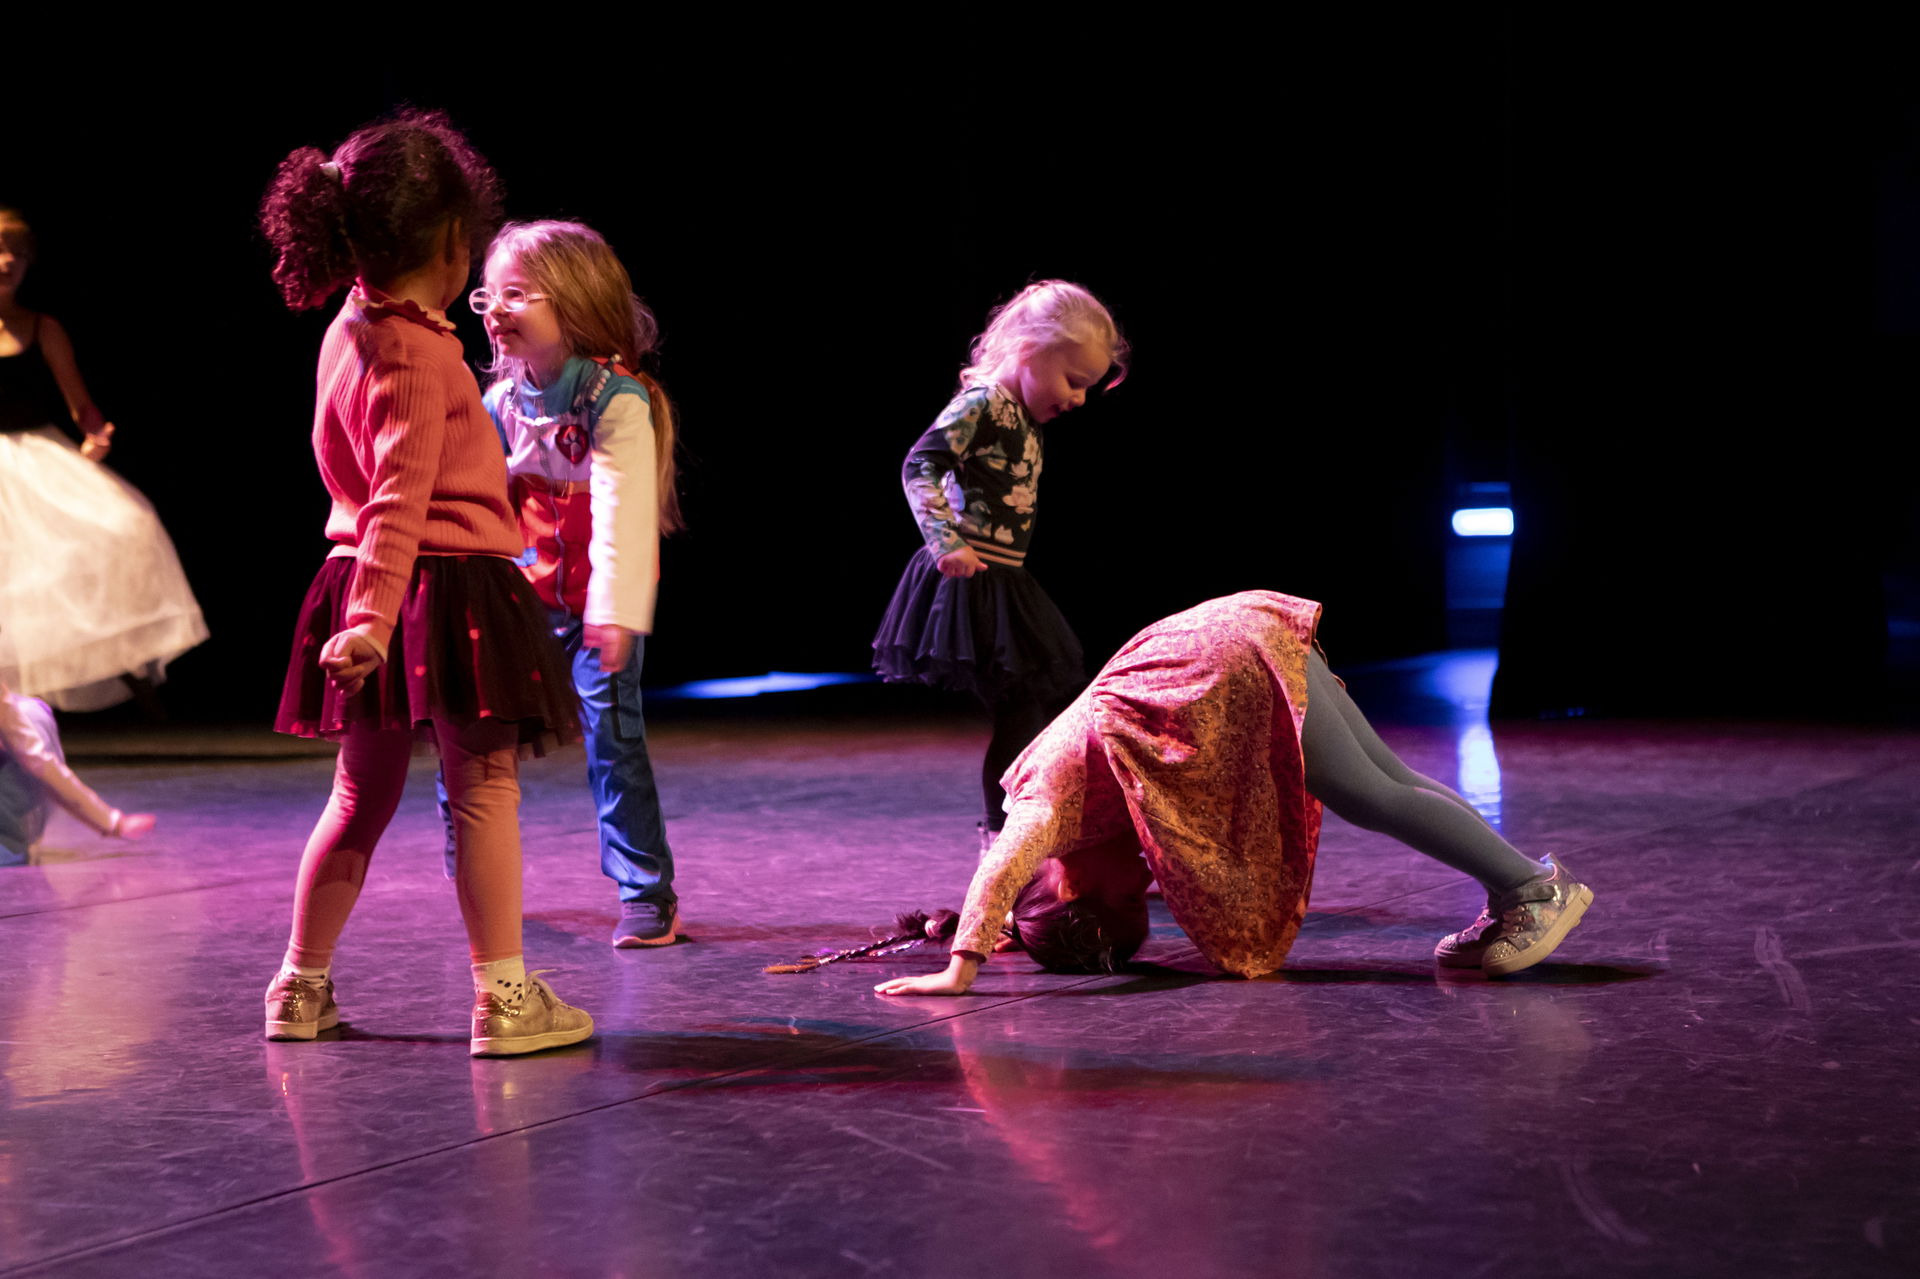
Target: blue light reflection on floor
<point>1451,688</point>
<point>755,685</point>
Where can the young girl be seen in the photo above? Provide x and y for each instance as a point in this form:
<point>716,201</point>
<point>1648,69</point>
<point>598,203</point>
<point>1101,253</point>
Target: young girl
<point>92,598</point>
<point>1208,744</point>
<point>966,614</point>
<point>591,475</point>
<point>418,625</point>
<point>34,772</point>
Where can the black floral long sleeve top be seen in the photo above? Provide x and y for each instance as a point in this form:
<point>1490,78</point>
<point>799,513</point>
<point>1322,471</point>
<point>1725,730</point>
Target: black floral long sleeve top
<point>972,478</point>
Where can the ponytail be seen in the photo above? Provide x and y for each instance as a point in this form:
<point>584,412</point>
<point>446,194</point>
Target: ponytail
<point>665,442</point>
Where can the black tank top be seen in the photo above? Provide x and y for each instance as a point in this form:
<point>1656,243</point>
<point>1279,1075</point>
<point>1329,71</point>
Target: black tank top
<point>29,396</point>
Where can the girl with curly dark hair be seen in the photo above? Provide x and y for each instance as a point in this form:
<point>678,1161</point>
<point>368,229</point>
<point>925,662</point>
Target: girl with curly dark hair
<point>418,625</point>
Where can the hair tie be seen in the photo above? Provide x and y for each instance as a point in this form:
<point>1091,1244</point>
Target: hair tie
<point>332,170</point>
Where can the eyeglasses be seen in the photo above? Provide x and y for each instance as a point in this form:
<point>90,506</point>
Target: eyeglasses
<point>509,299</point>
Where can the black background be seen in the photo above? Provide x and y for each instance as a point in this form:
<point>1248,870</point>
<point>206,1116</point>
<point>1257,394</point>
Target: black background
<point>1666,283</point>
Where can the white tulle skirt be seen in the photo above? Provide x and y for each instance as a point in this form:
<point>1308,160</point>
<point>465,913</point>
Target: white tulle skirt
<point>90,587</point>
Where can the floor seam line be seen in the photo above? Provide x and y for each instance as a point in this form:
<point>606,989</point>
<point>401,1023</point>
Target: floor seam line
<point>108,1246</point>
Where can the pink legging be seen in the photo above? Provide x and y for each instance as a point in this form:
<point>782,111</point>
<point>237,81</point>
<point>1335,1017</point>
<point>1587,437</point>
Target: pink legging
<point>480,760</point>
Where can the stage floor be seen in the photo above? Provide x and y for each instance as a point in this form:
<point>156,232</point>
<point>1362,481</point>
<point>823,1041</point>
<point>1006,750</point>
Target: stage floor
<point>1717,1077</point>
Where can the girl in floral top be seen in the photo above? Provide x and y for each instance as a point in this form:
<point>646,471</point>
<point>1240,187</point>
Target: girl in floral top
<point>966,614</point>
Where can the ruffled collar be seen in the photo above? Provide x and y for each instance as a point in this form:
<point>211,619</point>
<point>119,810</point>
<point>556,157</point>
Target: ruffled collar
<point>374,302</point>
<point>1008,413</point>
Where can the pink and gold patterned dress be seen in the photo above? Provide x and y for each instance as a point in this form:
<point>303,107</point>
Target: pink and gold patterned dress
<point>1190,737</point>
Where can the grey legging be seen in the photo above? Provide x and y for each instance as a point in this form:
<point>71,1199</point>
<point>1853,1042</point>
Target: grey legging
<point>1351,771</point>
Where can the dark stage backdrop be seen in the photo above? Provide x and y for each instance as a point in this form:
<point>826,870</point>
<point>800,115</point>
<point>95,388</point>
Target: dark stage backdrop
<point>1357,271</point>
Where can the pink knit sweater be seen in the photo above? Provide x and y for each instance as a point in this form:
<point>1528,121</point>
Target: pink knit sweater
<point>406,450</point>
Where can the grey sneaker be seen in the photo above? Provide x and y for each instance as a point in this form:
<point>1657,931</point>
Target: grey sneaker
<point>646,924</point>
<point>300,1007</point>
<point>538,1020</point>
<point>1535,918</point>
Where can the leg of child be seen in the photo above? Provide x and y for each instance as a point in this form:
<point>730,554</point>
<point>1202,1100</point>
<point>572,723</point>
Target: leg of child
<point>480,762</point>
<point>1017,719</point>
<point>633,834</point>
<point>23,812</point>
<point>1345,776</point>
<point>1376,750</point>
<point>368,779</point>
<point>513,1012</point>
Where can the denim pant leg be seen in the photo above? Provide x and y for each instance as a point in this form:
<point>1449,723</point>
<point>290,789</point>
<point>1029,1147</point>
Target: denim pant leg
<point>633,835</point>
<point>23,812</point>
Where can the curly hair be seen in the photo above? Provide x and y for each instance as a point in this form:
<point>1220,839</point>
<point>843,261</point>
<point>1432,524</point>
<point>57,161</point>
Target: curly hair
<point>600,317</point>
<point>377,207</point>
<point>1075,935</point>
<point>1049,313</point>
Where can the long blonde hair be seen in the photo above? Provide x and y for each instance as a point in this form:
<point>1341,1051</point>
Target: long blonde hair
<point>1045,313</point>
<point>601,318</point>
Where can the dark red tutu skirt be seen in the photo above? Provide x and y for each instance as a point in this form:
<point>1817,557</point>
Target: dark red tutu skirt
<point>472,642</point>
<point>995,634</point>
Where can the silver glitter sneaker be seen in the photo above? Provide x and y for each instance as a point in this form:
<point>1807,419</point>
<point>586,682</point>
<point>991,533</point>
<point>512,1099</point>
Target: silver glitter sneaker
<point>538,1020</point>
<point>300,1007</point>
<point>1533,919</point>
<point>1464,948</point>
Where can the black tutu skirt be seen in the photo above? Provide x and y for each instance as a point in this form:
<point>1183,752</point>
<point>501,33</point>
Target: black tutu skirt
<point>995,634</point>
<point>471,642</point>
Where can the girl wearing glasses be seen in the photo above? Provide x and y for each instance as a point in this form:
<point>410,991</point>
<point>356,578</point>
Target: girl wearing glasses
<point>418,626</point>
<point>590,462</point>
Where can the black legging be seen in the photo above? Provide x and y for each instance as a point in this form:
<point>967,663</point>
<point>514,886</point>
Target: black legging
<point>1351,771</point>
<point>1017,720</point>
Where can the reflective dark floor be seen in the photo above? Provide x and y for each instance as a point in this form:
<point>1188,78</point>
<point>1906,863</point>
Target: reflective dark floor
<point>1717,1077</point>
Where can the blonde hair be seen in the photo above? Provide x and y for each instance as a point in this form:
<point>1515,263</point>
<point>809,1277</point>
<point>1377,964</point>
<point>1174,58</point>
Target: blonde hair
<point>600,317</point>
<point>1045,314</point>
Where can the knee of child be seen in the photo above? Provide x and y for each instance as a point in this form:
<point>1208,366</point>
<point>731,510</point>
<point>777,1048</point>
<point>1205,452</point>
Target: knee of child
<point>1368,805</point>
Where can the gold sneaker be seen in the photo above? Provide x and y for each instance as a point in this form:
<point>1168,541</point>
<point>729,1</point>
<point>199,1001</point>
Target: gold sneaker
<point>300,1007</point>
<point>538,1020</point>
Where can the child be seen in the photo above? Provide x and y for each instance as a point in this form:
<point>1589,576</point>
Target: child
<point>418,624</point>
<point>1208,743</point>
<point>92,596</point>
<point>33,770</point>
<point>966,614</point>
<point>591,475</point>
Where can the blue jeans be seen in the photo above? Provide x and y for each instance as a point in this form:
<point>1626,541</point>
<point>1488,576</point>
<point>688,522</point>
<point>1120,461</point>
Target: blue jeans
<point>633,835</point>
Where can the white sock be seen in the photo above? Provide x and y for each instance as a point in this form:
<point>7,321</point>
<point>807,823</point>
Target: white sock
<point>310,974</point>
<point>505,978</point>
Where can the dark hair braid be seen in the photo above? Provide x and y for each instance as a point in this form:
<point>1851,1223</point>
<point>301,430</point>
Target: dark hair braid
<point>378,208</point>
<point>909,930</point>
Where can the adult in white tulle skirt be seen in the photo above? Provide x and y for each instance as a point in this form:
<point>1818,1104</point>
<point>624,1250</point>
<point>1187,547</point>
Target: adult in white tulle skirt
<point>91,592</point>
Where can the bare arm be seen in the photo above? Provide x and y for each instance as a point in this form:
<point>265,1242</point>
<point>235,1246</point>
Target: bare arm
<point>26,733</point>
<point>1035,831</point>
<point>57,347</point>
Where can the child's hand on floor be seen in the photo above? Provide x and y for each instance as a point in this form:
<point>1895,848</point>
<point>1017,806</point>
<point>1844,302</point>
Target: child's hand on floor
<point>134,825</point>
<point>956,980</point>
